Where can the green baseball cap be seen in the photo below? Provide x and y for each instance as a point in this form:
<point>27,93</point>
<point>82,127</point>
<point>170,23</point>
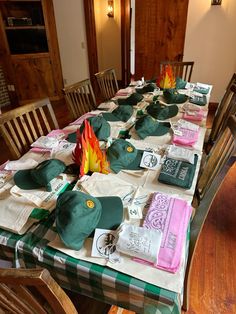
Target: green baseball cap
<point>132,100</point>
<point>100,127</point>
<point>40,176</point>
<point>172,96</point>
<point>123,155</point>
<point>161,112</point>
<point>147,126</point>
<point>121,113</point>
<point>180,83</point>
<point>78,214</point>
<point>146,88</point>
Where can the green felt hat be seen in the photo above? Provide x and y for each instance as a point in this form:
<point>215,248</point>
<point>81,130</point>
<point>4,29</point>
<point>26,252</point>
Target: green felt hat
<point>132,100</point>
<point>100,127</point>
<point>172,96</point>
<point>147,126</point>
<point>160,112</point>
<point>180,83</point>
<point>198,100</point>
<point>121,113</point>
<point>179,173</point>
<point>40,176</point>
<point>123,155</point>
<point>146,88</point>
<point>78,214</point>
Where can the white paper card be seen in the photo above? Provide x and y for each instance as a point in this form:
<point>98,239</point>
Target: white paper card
<point>104,244</point>
<point>180,153</point>
<point>46,142</point>
<point>139,242</point>
<point>150,160</point>
<point>188,125</point>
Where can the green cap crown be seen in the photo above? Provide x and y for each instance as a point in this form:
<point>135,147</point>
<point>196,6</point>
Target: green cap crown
<point>172,96</point>
<point>160,112</point>
<point>40,176</point>
<point>147,126</point>
<point>132,100</point>
<point>100,127</point>
<point>78,214</point>
<point>123,155</point>
<point>121,113</point>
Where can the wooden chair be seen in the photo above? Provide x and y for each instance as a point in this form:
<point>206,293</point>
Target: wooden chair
<point>20,127</point>
<point>227,107</point>
<point>181,69</point>
<point>80,98</point>
<point>107,83</point>
<point>219,161</point>
<point>32,291</point>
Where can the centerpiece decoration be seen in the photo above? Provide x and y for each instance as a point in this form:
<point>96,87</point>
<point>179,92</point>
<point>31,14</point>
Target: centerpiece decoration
<point>166,79</point>
<point>88,154</point>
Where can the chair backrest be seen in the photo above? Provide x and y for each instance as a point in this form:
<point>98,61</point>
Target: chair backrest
<point>226,108</point>
<point>20,127</point>
<point>28,291</point>
<point>182,69</point>
<point>80,98</point>
<point>107,83</point>
<point>219,161</point>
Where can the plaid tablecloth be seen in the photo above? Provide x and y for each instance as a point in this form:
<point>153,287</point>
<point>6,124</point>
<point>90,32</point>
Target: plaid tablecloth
<point>95,281</point>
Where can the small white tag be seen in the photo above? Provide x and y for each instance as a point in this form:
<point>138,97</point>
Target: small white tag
<point>178,132</point>
<point>191,113</point>
<point>150,160</point>
<point>188,125</point>
<point>135,212</point>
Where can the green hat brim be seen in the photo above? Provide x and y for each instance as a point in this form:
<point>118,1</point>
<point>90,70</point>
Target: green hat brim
<point>162,129</point>
<point>24,180</point>
<point>112,212</point>
<point>165,113</point>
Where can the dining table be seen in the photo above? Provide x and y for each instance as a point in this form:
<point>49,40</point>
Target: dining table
<point>37,244</point>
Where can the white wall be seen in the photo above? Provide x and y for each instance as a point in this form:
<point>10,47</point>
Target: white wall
<point>108,36</point>
<point>71,33</point>
<point>211,43</point>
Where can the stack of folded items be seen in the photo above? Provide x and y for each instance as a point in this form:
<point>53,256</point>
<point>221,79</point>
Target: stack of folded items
<point>185,133</point>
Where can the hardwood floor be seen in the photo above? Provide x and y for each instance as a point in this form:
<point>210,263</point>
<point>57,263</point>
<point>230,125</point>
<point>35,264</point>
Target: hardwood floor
<point>213,288</point>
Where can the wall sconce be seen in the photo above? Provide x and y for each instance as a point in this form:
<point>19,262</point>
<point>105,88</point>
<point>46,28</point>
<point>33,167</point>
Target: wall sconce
<point>216,2</point>
<point>110,8</point>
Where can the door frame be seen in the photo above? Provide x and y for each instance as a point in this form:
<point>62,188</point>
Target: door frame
<point>92,41</point>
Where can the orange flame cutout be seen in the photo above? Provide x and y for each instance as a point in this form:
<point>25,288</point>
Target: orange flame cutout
<point>90,158</point>
<point>167,78</point>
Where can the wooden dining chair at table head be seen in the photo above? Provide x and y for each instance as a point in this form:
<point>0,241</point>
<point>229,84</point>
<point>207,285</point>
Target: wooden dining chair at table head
<point>32,291</point>
<point>21,126</point>
<point>226,107</point>
<point>80,98</point>
<point>182,69</point>
<point>221,157</point>
<point>107,83</point>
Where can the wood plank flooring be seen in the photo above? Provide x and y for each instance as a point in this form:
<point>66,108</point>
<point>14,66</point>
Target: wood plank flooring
<point>213,289</point>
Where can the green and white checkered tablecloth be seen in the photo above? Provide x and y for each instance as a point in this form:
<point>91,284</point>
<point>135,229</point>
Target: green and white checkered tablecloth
<point>99,282</point>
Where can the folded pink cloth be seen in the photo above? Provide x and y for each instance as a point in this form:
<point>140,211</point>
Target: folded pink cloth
<point>188,137</point>
<point>124,92</point>
<point>171,216</point>
<point>194,115</point>
<point>81,119</point>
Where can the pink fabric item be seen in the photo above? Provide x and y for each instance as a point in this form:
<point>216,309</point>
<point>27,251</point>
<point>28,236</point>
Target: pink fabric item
<point>124,92</point>
<point>171,216</point>
<point>195,116</point>
<point>81,119</point>
<point>188,137</point>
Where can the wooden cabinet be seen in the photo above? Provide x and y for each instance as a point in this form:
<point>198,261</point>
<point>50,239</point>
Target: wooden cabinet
<point>29,50</point>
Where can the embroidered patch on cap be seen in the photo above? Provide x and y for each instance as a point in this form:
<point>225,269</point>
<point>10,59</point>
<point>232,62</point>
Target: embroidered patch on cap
<point>90,203</point>
<point>129,149</point>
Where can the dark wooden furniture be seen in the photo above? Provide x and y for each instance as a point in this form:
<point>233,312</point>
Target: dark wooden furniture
<point>20,127</point>
<point>80,98</point>
<point>32,291</point>
<point>218,162</point>
<point>29,50</point>
<point>107,83</point>
<point>182,69</point>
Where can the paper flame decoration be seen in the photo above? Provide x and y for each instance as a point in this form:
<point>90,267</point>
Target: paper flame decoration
<point>87,152</point>
<point>167,78</point>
